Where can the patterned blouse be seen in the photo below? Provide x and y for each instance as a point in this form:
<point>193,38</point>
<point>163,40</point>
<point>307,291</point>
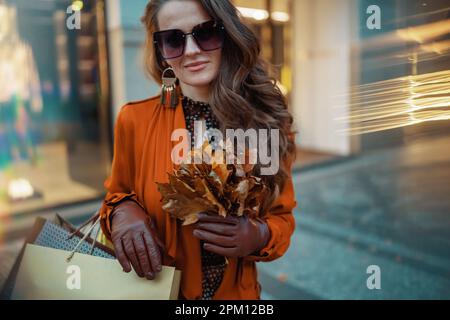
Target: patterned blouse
<point>213,265</point>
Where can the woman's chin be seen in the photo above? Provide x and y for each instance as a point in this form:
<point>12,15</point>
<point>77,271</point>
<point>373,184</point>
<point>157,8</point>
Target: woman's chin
<point>199,81</point>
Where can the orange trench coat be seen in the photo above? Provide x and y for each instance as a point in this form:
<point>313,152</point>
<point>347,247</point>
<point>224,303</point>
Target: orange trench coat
<point>142,156</point>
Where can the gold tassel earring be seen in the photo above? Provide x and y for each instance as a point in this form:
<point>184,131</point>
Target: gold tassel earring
<point>169,93</point>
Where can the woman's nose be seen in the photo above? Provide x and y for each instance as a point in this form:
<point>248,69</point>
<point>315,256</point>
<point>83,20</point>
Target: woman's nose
<point>191,46</point>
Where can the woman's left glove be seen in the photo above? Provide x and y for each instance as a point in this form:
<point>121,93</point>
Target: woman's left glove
<point>232,236</point>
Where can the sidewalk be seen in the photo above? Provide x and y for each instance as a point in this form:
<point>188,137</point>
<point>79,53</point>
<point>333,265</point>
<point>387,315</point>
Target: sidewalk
<point>390,208</point>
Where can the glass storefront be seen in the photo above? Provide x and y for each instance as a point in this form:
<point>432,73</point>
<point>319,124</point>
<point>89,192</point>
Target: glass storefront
<point>271,20</point>
<point>54,119</point>
<point>404,74</point>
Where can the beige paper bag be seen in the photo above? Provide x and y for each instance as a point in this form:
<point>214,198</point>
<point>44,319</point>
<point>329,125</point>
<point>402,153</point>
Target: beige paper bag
<point>45,274</point>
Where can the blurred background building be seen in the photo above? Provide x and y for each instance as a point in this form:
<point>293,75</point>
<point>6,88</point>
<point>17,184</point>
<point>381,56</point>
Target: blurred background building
<point>371,107</point>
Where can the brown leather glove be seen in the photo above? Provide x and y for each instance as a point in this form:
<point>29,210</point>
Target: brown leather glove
<point>135,241</point>
<point>232,236</point>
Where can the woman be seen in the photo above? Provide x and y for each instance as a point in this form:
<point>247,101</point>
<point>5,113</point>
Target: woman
<point>223,82</point>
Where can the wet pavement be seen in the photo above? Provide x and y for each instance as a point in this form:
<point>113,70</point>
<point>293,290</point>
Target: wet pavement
<point>390,208</point>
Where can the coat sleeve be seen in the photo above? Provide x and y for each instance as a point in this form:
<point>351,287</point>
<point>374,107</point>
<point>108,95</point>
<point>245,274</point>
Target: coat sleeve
<point>120,184</point>
<point>281,223</point>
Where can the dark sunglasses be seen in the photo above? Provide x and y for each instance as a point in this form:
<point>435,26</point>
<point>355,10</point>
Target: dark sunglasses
<point>171,43</point>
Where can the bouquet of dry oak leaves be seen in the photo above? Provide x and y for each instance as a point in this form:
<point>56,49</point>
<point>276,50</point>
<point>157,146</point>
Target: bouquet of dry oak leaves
<point>204,182</point>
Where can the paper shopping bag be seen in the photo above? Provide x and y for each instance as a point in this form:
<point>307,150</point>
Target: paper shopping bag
<point>45,274</point>
<point>55,234</point>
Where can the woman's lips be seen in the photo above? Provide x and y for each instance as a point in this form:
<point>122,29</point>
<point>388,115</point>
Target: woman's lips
<point>197,66</point>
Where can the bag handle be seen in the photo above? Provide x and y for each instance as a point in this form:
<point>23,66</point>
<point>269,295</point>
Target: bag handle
<point>83,225</point>
<point>97,221</point>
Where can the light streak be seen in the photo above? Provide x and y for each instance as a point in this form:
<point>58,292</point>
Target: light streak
<point>399,102</point>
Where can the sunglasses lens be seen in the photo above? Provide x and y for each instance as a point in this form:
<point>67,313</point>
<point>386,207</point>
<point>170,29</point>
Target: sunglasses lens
<point>170,43</point>
<point>209,36</point>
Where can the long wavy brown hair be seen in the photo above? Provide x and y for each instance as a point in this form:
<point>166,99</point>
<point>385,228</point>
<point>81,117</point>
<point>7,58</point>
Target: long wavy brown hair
<point>243,95</point>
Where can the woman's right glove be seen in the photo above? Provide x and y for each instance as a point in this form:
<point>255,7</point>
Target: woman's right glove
<point>135,240</point>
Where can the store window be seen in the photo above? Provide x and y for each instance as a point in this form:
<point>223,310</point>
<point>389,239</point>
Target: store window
<point>54,126</point>
<point>271,20</point>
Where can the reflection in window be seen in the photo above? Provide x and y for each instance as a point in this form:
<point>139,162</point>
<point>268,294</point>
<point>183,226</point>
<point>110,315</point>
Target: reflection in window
<point>271,20</point>
<point>52,146</point>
